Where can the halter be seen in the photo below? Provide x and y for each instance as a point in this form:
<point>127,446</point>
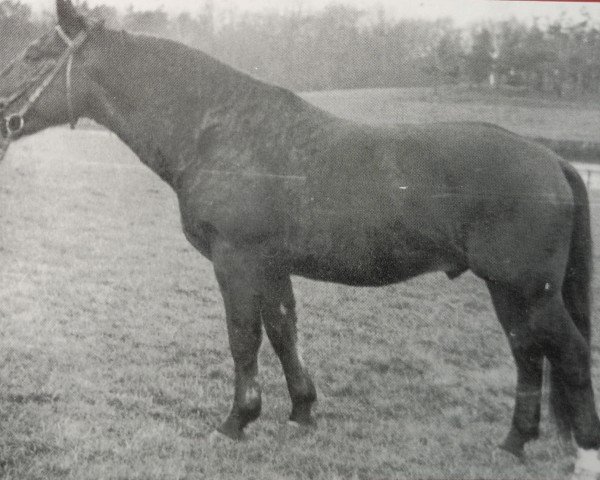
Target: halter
<point>15,122</point>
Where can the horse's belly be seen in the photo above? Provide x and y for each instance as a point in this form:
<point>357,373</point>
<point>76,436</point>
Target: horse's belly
<point>371,264</point>
<point>367,277</point>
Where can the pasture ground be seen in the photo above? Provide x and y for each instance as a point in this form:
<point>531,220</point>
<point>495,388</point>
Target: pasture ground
<point>114,360</point>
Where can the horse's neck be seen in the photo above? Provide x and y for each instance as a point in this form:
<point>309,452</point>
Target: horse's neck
<point>160,97</point>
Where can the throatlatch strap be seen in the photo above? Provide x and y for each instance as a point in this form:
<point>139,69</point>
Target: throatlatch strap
<point>70,43</point>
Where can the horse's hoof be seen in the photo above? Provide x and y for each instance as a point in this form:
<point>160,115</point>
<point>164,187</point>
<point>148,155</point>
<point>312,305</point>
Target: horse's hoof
<point>515,449</point>
<point>308,423</point>
<point>218,438</point>
<point>514,444</point>
<point>518,454</point>
<point>297,430</point>
<point>302,426</point>
<point>502,455</point>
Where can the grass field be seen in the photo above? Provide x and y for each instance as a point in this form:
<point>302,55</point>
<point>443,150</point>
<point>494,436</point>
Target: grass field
<point>114,360</point>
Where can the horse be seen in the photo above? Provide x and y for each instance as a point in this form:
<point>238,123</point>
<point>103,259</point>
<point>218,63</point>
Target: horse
<point>270,186</point>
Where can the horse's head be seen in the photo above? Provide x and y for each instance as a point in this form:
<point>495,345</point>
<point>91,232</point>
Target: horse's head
<point>47,84</point>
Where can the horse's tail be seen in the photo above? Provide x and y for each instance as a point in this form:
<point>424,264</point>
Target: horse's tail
<point>576,289</point>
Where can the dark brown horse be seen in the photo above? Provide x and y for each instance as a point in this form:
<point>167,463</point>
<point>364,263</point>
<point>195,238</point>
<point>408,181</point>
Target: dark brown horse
<point>270,186</point>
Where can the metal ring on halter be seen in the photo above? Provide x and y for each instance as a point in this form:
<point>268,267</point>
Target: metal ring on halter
<point>14,125</point>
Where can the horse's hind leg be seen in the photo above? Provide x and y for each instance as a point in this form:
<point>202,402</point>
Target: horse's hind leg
<point>238,276</point>
<point>569,354</point>
<point>279,318</point>
<point>511,309</point>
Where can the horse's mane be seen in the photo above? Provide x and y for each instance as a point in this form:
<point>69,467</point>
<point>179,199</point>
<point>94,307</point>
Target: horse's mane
<point>165,58</point>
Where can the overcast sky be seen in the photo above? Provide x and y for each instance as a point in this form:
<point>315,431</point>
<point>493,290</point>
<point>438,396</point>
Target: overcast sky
<point>462,11</point>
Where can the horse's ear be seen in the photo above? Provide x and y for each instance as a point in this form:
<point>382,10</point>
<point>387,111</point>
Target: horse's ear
<point>69,19</point>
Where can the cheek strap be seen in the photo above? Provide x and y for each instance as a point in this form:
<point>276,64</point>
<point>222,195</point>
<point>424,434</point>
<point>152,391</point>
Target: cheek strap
<point>69,82</point>
<point>72,117</point>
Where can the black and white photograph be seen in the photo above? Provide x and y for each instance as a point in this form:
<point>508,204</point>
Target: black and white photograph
<point>299,240</point>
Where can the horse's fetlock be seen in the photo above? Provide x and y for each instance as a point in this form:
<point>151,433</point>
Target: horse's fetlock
<point>252,396</point>
<point>249,411</point>
<point>307,393</point>
<point>528,432</point>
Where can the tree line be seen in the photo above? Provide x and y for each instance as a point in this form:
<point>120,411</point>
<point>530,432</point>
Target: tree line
<point>344,47</point>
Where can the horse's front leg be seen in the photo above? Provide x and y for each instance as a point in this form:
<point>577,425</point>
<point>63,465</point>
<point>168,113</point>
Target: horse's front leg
<point>279,318</point>
<point>238,275</point>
